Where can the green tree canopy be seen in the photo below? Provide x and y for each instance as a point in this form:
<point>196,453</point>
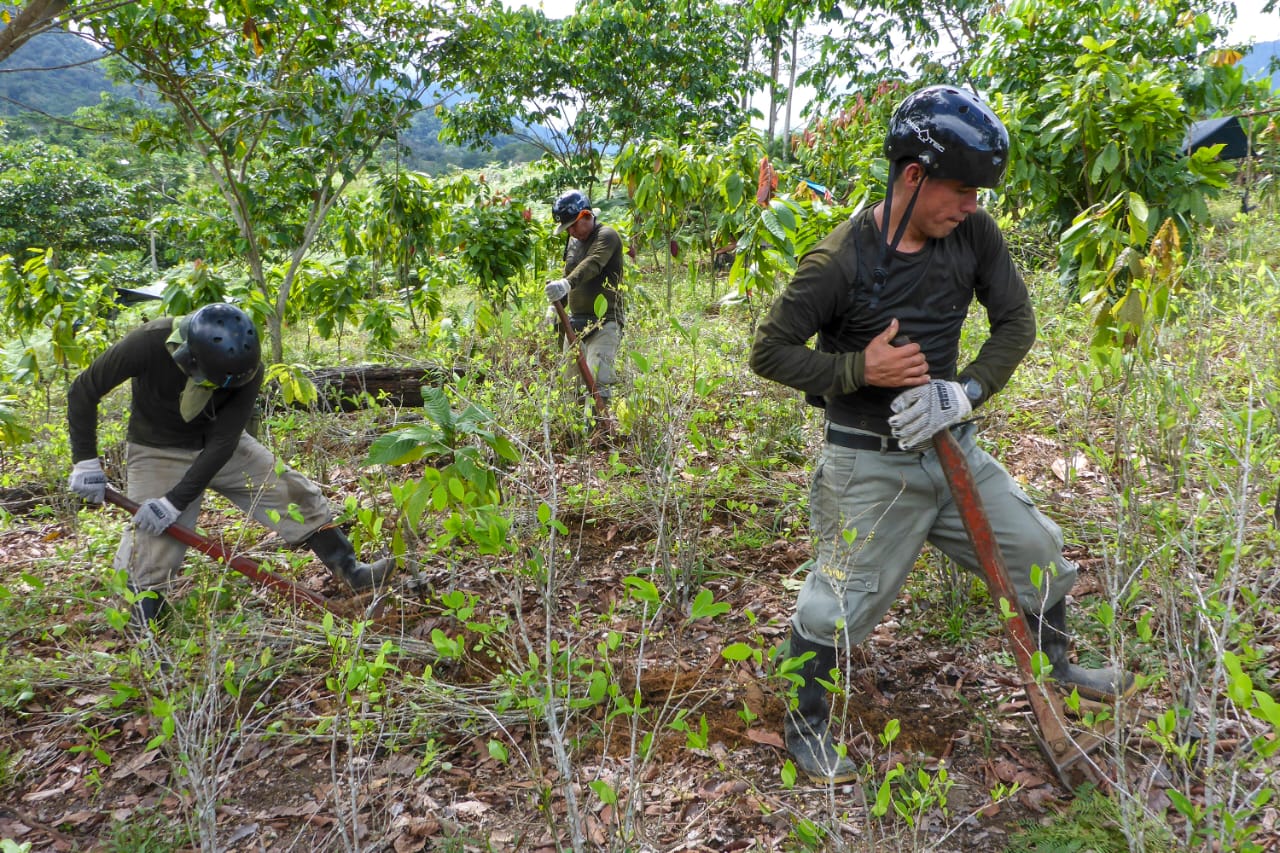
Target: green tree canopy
<point>611,74</point>
<point>1098,95</point>
<point>285,103</point>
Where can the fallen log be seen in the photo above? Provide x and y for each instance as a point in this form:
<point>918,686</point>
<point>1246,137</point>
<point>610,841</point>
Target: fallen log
<point>347,389</point>
<point>18,500</point>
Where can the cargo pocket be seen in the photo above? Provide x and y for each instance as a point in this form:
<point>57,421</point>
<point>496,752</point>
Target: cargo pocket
<point>1047,524</point>
<point>1038,544</point>
<point>833,597</point>
<point>850,581</point>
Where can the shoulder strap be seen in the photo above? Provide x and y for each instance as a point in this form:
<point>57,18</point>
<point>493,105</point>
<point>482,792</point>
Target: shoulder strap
<point>851,269</point>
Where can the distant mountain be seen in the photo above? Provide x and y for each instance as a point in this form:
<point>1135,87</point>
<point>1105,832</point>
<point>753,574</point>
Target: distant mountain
<point>56,73</point>
<point>1257,62</point>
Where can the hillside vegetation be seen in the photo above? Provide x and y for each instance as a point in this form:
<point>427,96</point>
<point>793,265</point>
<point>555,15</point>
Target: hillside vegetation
<point>46,81</point>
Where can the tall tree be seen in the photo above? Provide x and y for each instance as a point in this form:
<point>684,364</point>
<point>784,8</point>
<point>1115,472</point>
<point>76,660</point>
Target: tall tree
<point>285,103</point>
<point>842,48</point>
<point>31,19</point>
<point>613,73</point>
<point>781,27</point>
<point>22,22</point>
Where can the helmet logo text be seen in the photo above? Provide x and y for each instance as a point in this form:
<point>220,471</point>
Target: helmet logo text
<point>923,134</point>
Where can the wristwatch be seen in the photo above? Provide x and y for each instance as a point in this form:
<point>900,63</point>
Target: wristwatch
<point>972,390</point>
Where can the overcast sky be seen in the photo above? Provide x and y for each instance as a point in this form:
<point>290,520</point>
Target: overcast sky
<point>1252,25</point>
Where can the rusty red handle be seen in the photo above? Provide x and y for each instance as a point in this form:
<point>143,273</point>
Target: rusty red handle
<point>976,523</point>
<point>1046,707</point>
<point>243,565</point>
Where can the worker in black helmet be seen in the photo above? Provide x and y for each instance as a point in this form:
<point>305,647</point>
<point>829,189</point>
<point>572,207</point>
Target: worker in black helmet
<point>886,295</point>
<point>592,270</point>
<point>195,380</point>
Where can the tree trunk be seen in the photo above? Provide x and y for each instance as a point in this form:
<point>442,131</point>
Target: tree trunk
<point>32,19</point>
<point>775,60</point>
<point>791,91</point>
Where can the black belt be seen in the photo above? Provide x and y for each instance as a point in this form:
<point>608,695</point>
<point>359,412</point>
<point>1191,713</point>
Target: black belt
<point>862,441</point>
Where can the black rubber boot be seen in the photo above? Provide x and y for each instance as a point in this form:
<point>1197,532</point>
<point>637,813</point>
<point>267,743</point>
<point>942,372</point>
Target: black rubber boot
<point>806,728</point>
<point>1102,684</point>
<point>334,549</point>
<point>147,614</point>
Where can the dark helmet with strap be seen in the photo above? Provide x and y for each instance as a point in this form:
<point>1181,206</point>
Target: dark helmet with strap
<point>220,346</point>
<point>568,207</point>
<point>952,133</point>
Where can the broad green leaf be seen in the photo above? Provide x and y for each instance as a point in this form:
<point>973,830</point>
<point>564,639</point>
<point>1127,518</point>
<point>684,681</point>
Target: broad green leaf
<point>705,606</point>
<point>642,589</point>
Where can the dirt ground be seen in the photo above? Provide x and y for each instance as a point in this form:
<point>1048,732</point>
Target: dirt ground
<point>960,708</point>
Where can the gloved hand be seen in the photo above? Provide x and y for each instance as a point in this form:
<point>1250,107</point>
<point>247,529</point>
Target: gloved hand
<point>155,516</point>
<point>88,480</point>
<point>557,290</point>
<point>551,318</point>
<point>925,410</point>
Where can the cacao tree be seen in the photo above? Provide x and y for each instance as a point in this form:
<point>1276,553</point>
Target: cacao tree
<point>694,192</point>
<point>1097,97</point>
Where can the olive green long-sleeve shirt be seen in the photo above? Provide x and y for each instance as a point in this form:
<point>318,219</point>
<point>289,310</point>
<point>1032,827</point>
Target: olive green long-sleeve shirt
<point>593,268</point>
<point>832,295</point>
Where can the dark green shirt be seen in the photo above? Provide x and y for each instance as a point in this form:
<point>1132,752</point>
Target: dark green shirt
<point>929,292</point>
<point>594,268</point>
<point>154,416</point>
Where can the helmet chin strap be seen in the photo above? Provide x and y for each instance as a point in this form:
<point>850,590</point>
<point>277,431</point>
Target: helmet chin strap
<point>888,246</point>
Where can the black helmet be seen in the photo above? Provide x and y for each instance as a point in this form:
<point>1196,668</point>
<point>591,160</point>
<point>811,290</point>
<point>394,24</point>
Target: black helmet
<point>220,346</point>
<point>952,133</point>
<point>568,207</point>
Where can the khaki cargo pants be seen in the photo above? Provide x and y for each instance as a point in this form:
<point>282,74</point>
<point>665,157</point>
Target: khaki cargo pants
<point>872,512</point>
<point>601,350</point>
<point>251,479</point>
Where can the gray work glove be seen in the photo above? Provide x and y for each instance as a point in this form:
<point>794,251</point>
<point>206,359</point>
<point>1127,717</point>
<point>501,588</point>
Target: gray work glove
<point>926,410</point>
<point>557,290</point>
<point>88,480</point>
<point>155,516</point>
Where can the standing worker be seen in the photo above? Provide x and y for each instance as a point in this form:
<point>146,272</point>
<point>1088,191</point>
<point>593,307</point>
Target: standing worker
<point>592,268</point>
<point>887,293</point>
<point>195,380</point>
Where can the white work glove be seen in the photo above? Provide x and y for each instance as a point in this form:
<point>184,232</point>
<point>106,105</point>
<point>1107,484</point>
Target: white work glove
<point>926,410</point>
<point>557,290</point>
<point>155,516</point>
<point>551,318</point>
<point>88,480</point>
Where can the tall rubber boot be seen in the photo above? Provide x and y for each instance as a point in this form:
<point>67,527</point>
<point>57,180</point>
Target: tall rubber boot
<point>806,728</point>
<point>1102,685</point>
<point>334,549</point>
<point>147,614</point>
